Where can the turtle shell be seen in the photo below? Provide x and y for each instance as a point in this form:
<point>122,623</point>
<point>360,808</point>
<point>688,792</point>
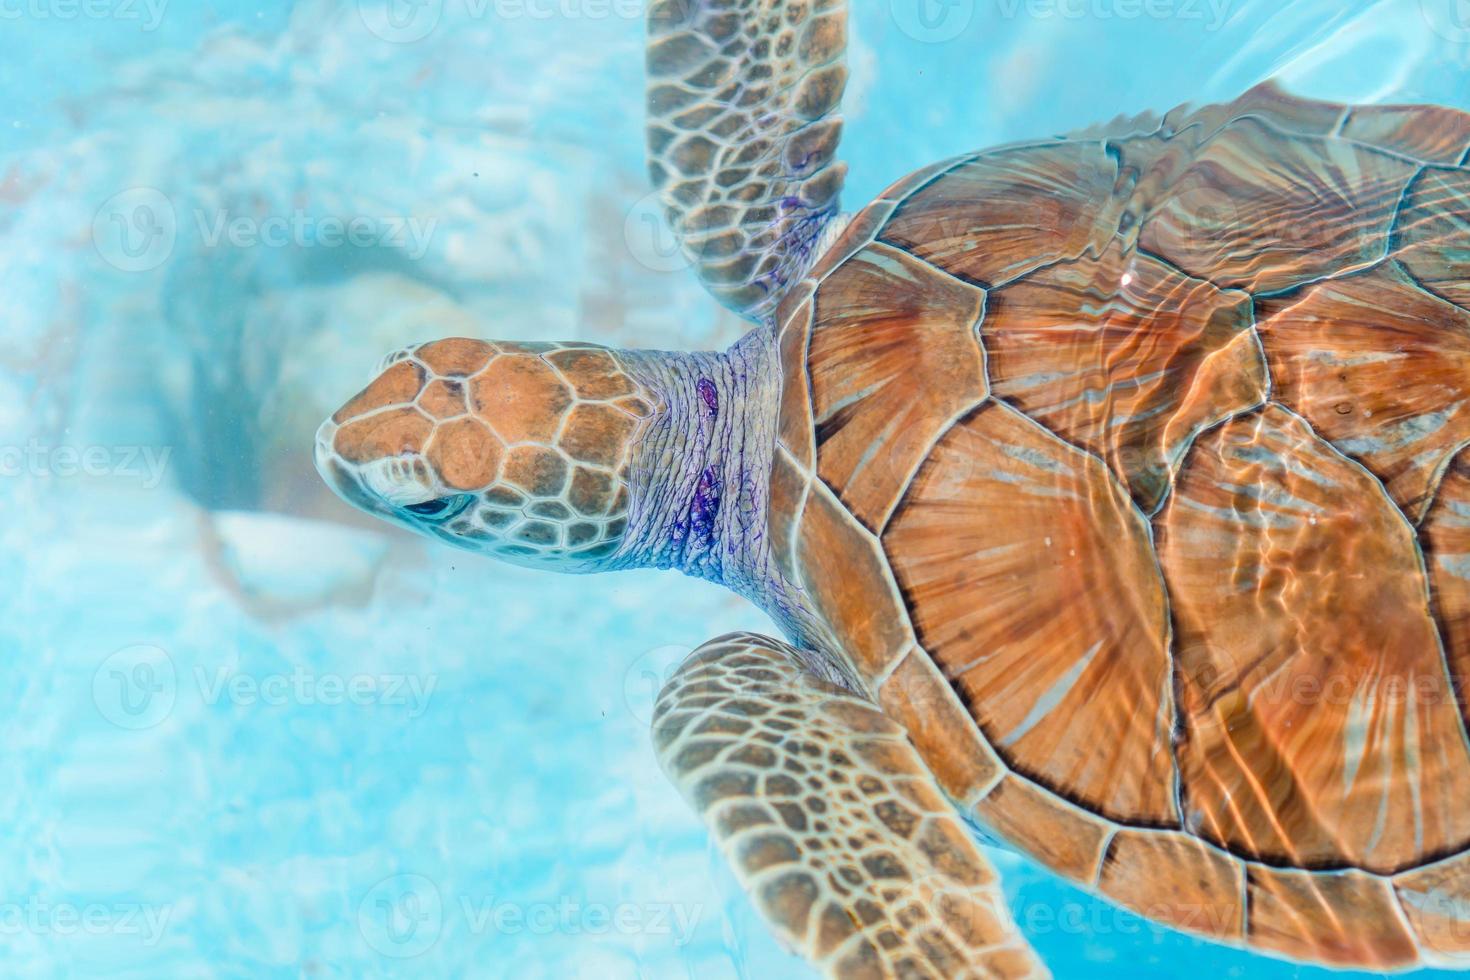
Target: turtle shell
<point>1130,471</point>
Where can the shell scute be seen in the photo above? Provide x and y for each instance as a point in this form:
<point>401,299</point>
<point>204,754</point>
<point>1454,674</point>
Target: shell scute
<point>1436,903</point>
<point>917,696</point>
<point>846,578</point>
<point>1126,357</point>
<point>1066,839</point>
<point>1432,237</point>
<point>1319,208</point>
<point>1379,368</point>
<point>1320,726</point>
<point>1446,541</point>
<point>1002,215</point>
<point>1435,134</point>
<point>1175,878</point>
<point>1004,527</point>
<point>893,356</point>
<point>1344,918</point>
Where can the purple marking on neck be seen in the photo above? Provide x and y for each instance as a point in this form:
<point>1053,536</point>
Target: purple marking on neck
<point>706,504</point>
<point>711,397</point>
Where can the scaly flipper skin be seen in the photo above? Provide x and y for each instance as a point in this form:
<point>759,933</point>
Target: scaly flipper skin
<point>831,820</point>
<point>742,134</point>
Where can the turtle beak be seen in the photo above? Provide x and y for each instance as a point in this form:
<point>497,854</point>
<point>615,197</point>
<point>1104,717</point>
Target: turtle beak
<point>342,477</point>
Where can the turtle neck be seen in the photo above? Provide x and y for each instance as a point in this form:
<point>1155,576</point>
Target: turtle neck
<point>701,473</point>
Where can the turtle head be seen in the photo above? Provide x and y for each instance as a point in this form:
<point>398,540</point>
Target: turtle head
<point>520,451</point>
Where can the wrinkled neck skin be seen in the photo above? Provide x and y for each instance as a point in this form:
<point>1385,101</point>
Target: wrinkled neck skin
<point>702,475</point>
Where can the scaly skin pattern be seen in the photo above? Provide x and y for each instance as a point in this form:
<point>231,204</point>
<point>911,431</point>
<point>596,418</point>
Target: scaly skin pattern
<point>831,820</point>
<point>702,478</point>
<point>522,451</point>
<point>579,458</point>
<point>743,127</point>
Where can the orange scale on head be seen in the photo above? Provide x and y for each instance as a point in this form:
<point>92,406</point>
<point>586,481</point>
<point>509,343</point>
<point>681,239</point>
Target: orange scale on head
<point>386,434</point>
<point>444,399</point>
<point>637,407</point>
<point>597,434</point>
<point>593,372</point>
<point>466,455</point>
<point>399,385</point>
<point>457,357</point>
<point>521,398</point>
<point>536,471</point>
<point>525,346</point>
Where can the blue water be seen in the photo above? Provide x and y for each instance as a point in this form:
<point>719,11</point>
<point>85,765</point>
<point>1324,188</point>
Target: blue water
<point>246,734</point>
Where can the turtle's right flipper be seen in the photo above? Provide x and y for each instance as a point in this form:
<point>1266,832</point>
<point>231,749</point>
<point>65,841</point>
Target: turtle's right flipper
<point>742,137</point>
<point>834,826</point>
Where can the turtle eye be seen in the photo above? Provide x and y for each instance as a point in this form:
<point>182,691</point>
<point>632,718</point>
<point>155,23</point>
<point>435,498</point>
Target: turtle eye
<point>440,509</point>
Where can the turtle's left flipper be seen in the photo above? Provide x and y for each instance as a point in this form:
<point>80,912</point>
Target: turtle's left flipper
<point>844,841</point>
<point>742,137</point>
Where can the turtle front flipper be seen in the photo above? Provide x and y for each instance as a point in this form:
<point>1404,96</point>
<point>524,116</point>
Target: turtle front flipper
<point>833,824</point>
<point>742,135</point>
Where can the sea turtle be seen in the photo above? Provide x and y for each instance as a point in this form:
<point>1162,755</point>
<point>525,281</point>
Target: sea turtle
<point>1112,492</point>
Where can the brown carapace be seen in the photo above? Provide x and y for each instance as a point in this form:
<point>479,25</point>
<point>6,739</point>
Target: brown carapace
<point>1131,471</point>
<point>1112,490</point>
